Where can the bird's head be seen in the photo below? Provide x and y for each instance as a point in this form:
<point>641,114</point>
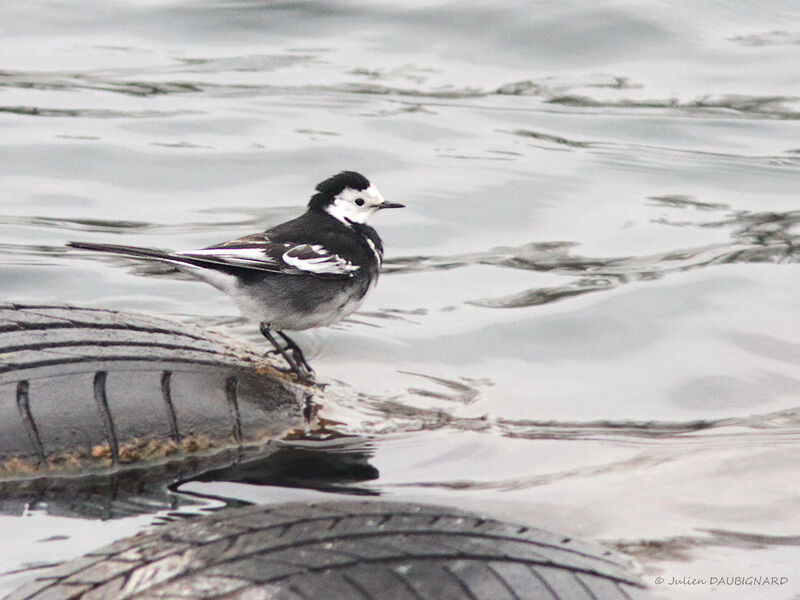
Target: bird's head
<point>349,197</point>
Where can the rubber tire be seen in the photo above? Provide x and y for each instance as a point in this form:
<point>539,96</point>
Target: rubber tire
<point>344,551</point>
<point>82,390</point>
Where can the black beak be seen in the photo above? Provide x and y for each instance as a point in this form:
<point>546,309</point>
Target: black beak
<point>390,205</point>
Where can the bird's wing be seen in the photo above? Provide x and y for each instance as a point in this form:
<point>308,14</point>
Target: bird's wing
<point>258,253</point>
<point>314,258</point>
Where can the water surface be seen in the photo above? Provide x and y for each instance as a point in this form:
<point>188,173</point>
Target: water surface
<point>588,318</point>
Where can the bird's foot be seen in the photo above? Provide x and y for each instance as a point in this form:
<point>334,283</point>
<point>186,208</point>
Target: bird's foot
<point>291,353</point>
<point>297,353</point>
<point>298,369</point>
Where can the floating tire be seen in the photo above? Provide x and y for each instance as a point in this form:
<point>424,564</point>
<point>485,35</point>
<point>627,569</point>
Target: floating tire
<point>86,389</point>
<point>343,551</point>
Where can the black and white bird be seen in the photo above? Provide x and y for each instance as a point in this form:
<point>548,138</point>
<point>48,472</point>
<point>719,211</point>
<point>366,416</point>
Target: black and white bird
<point>309,272</point>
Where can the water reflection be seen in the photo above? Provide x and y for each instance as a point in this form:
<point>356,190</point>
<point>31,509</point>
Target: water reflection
<point>401,417</point>
<point>756,237</point>
<point>105,496</point>
<point>336,466</point>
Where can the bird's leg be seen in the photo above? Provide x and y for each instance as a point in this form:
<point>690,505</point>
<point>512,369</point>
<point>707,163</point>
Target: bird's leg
<point>297,353</point>
<point>299,368</point>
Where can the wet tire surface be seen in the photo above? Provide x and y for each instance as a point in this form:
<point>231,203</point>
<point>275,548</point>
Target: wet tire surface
<point>343,551</point>
<point>88,388</point>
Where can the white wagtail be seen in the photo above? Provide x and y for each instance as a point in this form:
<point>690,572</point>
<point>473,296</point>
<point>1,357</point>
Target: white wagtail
<point>308,272</point>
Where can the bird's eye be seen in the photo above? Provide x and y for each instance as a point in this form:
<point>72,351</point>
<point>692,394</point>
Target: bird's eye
<point>359,202</point>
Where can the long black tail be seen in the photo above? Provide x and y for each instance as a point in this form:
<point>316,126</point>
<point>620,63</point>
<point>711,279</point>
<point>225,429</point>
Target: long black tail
<point>184,263</point>
<point>127,250</point>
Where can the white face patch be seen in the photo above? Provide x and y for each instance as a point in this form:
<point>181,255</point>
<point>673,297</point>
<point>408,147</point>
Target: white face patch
<point>345,205</point>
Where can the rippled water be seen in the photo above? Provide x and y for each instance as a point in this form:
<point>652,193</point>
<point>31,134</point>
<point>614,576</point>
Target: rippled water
<point>589,314</point>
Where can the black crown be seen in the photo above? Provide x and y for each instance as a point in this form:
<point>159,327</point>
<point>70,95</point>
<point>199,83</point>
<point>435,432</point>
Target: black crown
<point>329,188</point>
